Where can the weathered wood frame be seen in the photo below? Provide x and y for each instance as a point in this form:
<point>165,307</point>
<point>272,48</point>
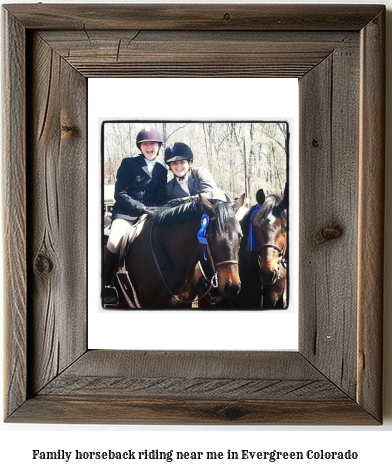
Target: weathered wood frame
<point>337,52</point>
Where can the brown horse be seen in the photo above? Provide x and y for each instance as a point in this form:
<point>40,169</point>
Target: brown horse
<point>262,257</point>
<point>161,261</point>
<point>270,224</point>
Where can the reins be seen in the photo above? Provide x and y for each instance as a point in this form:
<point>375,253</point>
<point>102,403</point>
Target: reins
<point>208,256</point>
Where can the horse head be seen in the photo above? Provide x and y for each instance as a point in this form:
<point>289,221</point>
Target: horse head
<point>223,242</point>
<point>270,223</point>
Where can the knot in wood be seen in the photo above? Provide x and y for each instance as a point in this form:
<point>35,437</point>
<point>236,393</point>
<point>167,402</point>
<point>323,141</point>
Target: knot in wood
<point>227,16</point>
<point>68,128</point>
<point>328,233</point>
<point>43,264</point>
<point>315,143</point>
<point>232,413</point>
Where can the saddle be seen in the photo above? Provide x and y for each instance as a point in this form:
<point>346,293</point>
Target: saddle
<point>122,274</point>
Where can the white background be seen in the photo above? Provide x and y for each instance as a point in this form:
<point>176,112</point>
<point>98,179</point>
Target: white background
<point>372,443</point>
<point>187,99</point>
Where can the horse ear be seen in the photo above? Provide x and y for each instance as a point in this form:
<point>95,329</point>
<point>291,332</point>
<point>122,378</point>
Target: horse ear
<point>206,203</point>
<point>286,192</point>
<point>239,202</point>
<point>285,198</point>
<point>283,204</point>
<point>260,197</point>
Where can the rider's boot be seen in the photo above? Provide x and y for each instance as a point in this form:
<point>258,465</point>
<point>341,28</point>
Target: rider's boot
<point>109,292</point>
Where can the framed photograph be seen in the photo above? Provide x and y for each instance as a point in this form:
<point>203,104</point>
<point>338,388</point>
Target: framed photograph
<point>337,54</point>
<point>174,257</point>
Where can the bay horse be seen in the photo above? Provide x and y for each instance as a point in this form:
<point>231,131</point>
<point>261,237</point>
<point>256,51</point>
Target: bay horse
<point>162,259</point>
<point>262,256</point>
<point>270,223</point>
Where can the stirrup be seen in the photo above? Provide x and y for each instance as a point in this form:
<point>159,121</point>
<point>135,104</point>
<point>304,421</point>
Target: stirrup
<point>110,296</point>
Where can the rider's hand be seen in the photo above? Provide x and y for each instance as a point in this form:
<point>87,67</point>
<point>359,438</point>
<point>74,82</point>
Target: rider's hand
<point>150,210</point>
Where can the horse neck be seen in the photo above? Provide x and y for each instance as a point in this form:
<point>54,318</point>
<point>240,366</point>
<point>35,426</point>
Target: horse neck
<point>182,247</point>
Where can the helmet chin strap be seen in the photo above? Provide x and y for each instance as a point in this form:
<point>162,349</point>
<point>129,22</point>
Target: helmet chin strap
<point>185,175</point>
<point>181,178</point>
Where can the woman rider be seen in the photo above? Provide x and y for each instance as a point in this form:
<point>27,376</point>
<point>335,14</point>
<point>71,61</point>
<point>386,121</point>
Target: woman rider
<point>189,181</point>
<point>140,184</point>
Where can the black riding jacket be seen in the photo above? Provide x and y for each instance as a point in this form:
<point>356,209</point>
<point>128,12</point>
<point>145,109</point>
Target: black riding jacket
<point>135,188</point>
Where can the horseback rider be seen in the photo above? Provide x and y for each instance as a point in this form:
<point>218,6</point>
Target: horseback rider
<point>140,186</point>
<point>187,180</point>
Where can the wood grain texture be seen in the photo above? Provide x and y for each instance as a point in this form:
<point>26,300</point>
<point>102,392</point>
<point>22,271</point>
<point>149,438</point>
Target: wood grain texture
<point>329,168</point>
<point>57,217</point>
<point>14,225</point>
<point>102,409</point>
<point>194,17</point>
<point>203,374</point>
<point>371,215</point>
<point>194,53</point>
<point>201,387</point>
<point>335,378</point>
<point>193,388</point>
<point>208,364</point>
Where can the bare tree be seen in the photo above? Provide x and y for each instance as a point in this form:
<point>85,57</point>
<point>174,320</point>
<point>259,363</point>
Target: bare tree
<point>243,157</point>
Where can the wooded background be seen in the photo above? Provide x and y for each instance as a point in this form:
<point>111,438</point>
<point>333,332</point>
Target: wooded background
<point>242,156</point>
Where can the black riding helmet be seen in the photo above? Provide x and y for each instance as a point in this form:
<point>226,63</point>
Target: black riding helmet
<point>177,152</point>
<point>148,134</point>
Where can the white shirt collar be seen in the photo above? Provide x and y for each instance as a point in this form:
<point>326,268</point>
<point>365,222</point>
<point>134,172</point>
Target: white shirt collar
<point>183,180</point>
<point>150,163</point>
<point>184,183</point>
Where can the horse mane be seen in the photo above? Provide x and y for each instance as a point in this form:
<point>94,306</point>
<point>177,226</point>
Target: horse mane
<point>174,214</point>
<point>189,211</point>
<point>224,217</point>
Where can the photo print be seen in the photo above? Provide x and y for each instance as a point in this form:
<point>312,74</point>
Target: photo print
<point>195,215</point>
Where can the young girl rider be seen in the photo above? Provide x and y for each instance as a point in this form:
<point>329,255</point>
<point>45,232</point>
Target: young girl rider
<point>140,184</point>
<point>189,181</point>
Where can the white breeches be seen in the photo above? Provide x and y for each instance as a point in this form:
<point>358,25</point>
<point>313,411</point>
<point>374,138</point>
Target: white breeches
<point>118,229</point>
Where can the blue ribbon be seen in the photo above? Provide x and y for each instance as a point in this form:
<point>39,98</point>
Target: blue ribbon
<point>252,244</point>
<point>201,235</point>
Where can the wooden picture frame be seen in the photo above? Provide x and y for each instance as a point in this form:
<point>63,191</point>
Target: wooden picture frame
<point>338,54</point>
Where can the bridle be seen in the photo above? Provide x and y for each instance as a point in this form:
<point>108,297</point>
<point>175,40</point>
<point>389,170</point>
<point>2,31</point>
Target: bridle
<point>281,260</point>
<point>213,283</point>
<point>281,250</point>
<point>214,266</point>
